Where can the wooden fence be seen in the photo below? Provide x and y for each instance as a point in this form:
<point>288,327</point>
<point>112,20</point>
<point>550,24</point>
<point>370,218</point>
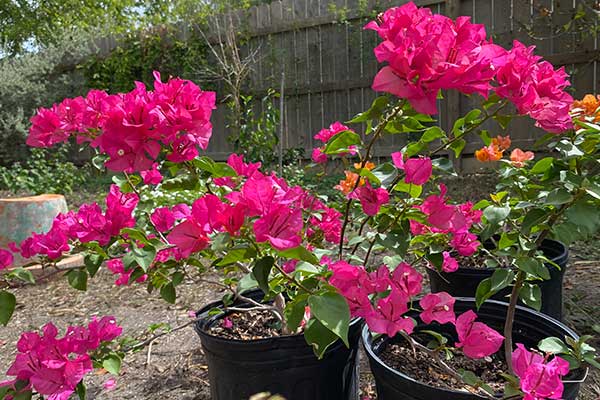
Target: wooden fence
<point>327,63</point>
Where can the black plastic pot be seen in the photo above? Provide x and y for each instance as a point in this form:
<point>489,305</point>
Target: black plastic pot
<point>283,365</point>
<point>529,328</point>
<point>464,281</point>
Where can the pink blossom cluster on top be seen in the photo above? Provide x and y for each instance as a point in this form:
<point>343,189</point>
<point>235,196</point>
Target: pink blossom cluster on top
<point>132,128</point>
<point>427,52</point>
<point>389,314</point>
<point>85,225</point>
<point>54,366</point>
<point>539,378</point>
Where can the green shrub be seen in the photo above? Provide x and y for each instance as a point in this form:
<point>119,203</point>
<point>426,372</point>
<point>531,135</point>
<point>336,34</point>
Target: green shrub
<point>44,171</point>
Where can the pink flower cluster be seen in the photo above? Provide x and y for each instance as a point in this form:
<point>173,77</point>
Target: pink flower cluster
<point>540,378</point>
<point>275,207</point>
<point>54,366</point>
<point>388,315</point>
<point>6,259</point>
<point>87,224</point>
<point>427,52</point>
<point>324,135</point>
<point>371,199</point>
<point>132,128</point>
<point>536,88</point>
<point>455,220</point>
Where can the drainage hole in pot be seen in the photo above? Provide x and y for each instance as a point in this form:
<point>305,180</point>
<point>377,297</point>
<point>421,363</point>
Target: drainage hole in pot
<point>399,356</point>
<point>251,325</point>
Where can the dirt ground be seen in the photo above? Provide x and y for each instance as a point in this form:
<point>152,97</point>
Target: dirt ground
<point>175,366</point>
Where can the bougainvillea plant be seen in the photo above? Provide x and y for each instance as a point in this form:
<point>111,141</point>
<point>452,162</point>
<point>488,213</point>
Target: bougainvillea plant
<point>173,213</point>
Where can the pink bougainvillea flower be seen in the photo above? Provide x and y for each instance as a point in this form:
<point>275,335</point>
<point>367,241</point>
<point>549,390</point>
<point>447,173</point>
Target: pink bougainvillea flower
<point>6,259</point>
<point>116,267</point>
<point>476,338</point>
<point>181,211</point>
<point>439,214</point>
<point>281,227</point>
<point>152,176</point>
<point>163,219</point>
<point>207,212</point>
<point>330,223</point>
<point>54,366</point>
<point>450,264</point>
<point>518,157</point>
<point>232,218</point>
<point>426,52</point>
<point>45,129</point>
<point>236,162</point>
<point>110,384</point>
<point>388,317</point>
<point>370,199</point>
<point>227,323</point>
<point>417,170</point>
<point>539,379</point>
<point>407,280</point>
<point>189,237</point>
<point>289,266</point>
<point>471,216</point>
<point>536,88</point>
<point>318,156</point>
<point>327,133</point>
<point>437,307</point>
<point>465,243</point>
<point>119,209</point>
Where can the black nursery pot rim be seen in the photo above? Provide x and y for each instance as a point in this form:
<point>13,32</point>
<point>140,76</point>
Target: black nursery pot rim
<point>367,341</point>
<point>205,322</point>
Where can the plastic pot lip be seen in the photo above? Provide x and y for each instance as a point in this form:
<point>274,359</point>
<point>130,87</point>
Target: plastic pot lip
<point>367,341</point>
<point>207,321</point>
<point>561,258</point>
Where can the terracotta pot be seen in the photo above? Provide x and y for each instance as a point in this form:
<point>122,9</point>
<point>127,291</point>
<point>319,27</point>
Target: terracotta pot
<point>20,216</point>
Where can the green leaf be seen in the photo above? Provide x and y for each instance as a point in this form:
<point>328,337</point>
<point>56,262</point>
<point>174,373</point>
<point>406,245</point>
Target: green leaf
<point>533,218</point>
<point>167,292</point>
<point>442,340</point>
<point>495,214</point>
<point>553,345</point>
<point>413,190</point>
<point>444,164</point>
<point>507,240</point>
<point>503,120</point>
<point>375,111</point>
<point>531,295</point>
<point>261,271</point>
<point>294,311</point>
<point>216,169</point>
<point>23,274</point>
<point>433,133</point>
<point>484,292</point>
<point>318,336</point>
<point>143,256</point>
<point>81,390</point>
<point>78,278</point>
<point>458,147</point>
<point>501,278</point>
<point>7,306</point>
<point>331,309</point>
<point>236,255</point>
<point>542,165</point>
<point>558,196</point>
<point>533,266</point>
<point>112,364</point>
<point>342,141</point>
<point>92,263</point>
<point>299,253</point>
<point>485,137</point>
